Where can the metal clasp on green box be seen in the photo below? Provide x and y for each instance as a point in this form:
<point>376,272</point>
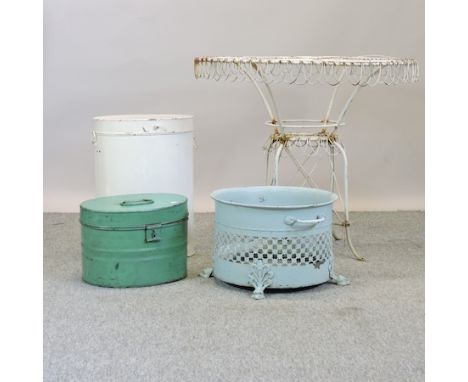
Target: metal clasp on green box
<point>134,240</point>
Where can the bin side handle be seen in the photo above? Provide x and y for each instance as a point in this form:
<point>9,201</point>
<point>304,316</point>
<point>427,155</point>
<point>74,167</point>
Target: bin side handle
<point>292,221</point>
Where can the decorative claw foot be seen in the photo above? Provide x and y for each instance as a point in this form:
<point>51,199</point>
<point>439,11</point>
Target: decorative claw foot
<point>339,279</point>
<point>260,277</point>
<point>206,273</point>
<point>335,235</point>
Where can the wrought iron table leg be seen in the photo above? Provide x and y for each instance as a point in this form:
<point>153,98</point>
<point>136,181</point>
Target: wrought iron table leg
<point>351,246</point>
<point>346,223</point>
<point>333,175</point>
<point>276,164</point>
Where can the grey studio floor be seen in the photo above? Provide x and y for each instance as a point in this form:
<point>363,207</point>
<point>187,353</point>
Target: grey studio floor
<point>203,330</point>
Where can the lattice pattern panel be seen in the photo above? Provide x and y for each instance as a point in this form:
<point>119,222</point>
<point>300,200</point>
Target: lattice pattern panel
<point>279,251</point>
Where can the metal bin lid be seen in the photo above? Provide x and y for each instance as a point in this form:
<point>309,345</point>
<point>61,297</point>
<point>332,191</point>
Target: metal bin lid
<point>133,210</point>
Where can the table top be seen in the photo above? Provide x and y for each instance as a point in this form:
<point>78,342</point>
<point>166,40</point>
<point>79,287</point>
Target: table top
<point>332,70</point>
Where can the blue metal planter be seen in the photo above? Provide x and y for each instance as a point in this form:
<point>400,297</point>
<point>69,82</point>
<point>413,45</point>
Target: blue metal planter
<point>274,237</point>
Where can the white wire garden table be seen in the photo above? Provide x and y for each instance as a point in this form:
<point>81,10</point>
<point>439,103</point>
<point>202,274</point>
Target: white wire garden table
<point>310,135</point>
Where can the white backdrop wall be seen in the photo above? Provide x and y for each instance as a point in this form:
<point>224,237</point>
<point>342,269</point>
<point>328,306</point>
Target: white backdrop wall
<point>136,56</point>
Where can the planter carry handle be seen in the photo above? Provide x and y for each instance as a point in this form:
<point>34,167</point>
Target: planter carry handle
<point>292,221</point>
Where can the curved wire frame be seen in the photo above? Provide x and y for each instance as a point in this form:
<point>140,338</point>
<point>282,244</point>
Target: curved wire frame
<point>332,70</point>
<point>301,139</point>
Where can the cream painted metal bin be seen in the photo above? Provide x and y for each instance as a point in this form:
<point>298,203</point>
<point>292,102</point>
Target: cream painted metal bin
<point>149,153</point>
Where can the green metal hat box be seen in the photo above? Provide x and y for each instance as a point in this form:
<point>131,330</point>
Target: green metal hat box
<point>134,240</point>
